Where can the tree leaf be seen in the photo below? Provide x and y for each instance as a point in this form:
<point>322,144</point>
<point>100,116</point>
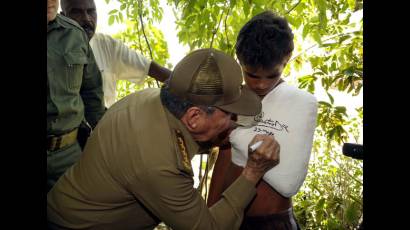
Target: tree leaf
<point>306,30</point>
<point>294,21</point>
<point>321,7</point>
<point>343,38</point>
<point>332,133</point>
<point>352,4</point>
<point>111,20</point>
<point>341,109</point>
<point>291,20</point>
<point>120,17</point>
<point>331,98</point>
<point>316,36</point>
<point>314,61</point>
<point>321,203</point>
<point>113,11</point>
<point>246,9</point>
<point>333,67</point>
<point>324,103</point>
<point>311,88</point>
<point>232,3</point>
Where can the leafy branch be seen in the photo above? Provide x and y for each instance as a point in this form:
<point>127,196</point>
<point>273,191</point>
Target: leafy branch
<point>293,7</point>
<point>226,31</point>
<point>316,44</point>
<point>145,36</point>
<point>219,23</point>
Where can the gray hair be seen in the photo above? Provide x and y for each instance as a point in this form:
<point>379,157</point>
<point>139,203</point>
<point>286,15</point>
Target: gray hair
<point>178,106</point>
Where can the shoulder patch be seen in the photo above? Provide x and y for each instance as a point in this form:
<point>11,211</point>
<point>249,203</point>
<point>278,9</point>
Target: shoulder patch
<point>183,151</point>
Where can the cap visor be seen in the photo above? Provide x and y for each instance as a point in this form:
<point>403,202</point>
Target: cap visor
<point>248,104</point>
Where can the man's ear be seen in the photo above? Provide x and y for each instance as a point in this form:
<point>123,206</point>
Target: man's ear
<point>192,118</point>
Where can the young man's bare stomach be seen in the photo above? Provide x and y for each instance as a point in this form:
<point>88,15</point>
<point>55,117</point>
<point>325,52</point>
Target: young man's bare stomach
<point>267,200</point>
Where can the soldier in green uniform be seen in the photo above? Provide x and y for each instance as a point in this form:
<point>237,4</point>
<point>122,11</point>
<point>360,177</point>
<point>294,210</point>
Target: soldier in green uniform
<point>74,91</point>
<point>136,167</point>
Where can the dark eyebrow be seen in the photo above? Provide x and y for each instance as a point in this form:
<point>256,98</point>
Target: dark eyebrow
<point>91,8</point>
<point>255,76</point>
<point>251,75</point>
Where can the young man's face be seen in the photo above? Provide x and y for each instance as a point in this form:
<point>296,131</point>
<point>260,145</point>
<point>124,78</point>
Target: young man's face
<point>52,7</point>
<point>261,80</point>
<point>83,12</point>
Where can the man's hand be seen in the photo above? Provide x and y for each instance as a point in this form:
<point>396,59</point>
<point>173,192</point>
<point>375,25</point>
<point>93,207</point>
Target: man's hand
<point>158,72</point>
<point>265,157</point>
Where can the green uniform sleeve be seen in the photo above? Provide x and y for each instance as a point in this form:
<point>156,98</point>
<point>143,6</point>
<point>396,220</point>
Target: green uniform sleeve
<point>92,91</point>
<point>172,198</point>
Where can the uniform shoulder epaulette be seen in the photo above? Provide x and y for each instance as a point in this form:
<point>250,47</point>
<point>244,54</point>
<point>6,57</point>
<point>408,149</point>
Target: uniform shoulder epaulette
<point>183,158</point>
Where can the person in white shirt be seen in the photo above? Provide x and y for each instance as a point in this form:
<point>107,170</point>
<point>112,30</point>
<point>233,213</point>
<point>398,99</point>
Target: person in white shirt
<point>264,47</point>
<point>114,59</point>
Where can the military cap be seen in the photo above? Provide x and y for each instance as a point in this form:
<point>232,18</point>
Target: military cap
<point>212,78</point>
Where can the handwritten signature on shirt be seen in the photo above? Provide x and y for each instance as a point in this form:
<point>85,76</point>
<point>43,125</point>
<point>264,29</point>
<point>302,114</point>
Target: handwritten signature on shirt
<point>264,126</point>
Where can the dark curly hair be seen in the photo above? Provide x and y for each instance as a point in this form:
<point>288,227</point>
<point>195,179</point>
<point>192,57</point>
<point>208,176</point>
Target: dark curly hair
<point>264,41</point>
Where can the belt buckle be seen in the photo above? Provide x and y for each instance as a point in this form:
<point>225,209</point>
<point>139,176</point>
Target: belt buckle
<point>55,142</point>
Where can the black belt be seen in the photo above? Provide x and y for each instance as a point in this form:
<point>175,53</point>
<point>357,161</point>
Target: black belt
<point>56,142</point>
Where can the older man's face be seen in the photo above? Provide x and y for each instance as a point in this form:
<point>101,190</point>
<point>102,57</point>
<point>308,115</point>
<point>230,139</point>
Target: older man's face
<point>52,7</point>
<point>212,128</point>
<point>83,12</point>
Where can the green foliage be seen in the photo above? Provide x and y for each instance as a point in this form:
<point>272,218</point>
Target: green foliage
<point>140,35</point>
<point>331,197</point>
<point>159,51</point>
<point>329,50</point>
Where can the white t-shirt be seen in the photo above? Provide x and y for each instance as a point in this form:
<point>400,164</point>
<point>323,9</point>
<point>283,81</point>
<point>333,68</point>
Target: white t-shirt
<point>289,114</point>
<point>117,62</point>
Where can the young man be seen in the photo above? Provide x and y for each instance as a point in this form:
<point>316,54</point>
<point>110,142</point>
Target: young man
<point>136,170</point>
<point>264,46</point>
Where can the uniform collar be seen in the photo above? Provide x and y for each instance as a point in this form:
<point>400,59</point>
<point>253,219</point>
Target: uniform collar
<point>55,24</point>
<point>52,25</point>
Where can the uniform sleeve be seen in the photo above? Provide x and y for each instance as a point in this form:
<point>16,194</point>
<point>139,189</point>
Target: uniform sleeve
<point>92,91</point>
<point>127,63</point>
<point>172,198</point>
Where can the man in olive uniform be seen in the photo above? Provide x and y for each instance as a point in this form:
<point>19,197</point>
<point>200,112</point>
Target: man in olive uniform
<point>136,167</point>
<point>74,91</point>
